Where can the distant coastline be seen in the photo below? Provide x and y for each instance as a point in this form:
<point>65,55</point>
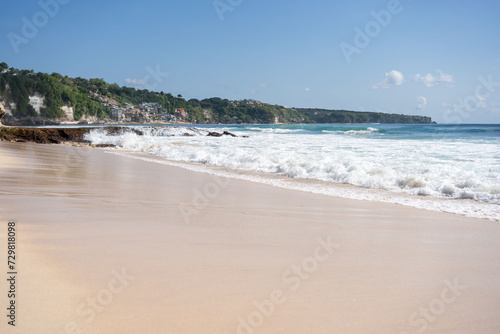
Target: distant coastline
<point>40,99</point>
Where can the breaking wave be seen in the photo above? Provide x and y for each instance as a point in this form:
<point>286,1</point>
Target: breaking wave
<point>427,167</point>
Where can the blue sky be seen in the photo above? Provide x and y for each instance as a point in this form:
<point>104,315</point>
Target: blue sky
<point>433,58</point>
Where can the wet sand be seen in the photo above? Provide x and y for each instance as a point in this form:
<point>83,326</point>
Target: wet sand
<point>110,244</point>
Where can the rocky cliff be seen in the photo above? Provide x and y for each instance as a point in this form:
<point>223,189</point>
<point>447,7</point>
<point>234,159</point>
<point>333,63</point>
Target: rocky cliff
<point>37,103</point>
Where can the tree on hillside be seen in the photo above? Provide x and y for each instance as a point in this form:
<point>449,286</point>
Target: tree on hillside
<point>57,76</point>
<point>3,66</point>
<point>98,84</point>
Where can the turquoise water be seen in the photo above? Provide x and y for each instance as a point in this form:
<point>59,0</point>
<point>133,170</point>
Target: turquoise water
<point>387,131</point>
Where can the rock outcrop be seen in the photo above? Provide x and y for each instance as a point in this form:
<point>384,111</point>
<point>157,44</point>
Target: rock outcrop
<point>217,134</point>
<point>71,135</point>
<point>42,136</point>
<point>214,134</point>
<point>2,114</point>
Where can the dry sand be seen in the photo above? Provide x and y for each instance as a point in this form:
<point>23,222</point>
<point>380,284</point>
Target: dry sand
<point>110,244</point>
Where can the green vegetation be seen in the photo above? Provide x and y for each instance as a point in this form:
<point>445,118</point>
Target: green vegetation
<point>94,97</point>
<point>17,86</point>
<point>345,116</point>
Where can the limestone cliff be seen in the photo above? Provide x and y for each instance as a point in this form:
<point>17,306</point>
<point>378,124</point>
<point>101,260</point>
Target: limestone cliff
<point>37,102</point>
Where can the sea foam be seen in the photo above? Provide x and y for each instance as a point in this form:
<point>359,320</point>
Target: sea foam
<point>422,173</point>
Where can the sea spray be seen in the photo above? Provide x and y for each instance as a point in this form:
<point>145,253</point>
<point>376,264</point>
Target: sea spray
<point>430,161</point>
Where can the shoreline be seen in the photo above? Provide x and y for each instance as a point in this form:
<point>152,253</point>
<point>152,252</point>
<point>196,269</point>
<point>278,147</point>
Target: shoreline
<point>92,217</point>
<point>75,137</point>
<point>470,208</point>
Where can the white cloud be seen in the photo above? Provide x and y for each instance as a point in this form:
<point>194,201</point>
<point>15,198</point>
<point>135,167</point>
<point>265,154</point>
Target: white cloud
<point>307,90</point>
<point>253,91</point>
<point>263,85</point>
<point>131,81</point>
<point>430,80</point>
<point>421,102</point>
<point>392,78</point>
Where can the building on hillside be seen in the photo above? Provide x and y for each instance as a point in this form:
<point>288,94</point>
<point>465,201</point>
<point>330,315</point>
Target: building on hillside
<point>116,114</point>
<point>152,107</point>
<point>181,111</point>
<point>169,118</point>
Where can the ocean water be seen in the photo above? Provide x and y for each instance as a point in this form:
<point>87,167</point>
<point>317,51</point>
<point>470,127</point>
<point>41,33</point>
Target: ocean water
<point>451,168</point>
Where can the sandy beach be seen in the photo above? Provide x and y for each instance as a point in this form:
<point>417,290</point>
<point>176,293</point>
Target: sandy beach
<point>110,244</point>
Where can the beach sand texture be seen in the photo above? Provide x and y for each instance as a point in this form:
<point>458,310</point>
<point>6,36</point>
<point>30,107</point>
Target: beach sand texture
<point>110,244</point>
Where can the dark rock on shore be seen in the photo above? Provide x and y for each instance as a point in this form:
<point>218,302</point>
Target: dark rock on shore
<point>217,134</point>
<point>118,130</point>
<point>214,134</point>
<point>48,136</point>
<point>42,136</point>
